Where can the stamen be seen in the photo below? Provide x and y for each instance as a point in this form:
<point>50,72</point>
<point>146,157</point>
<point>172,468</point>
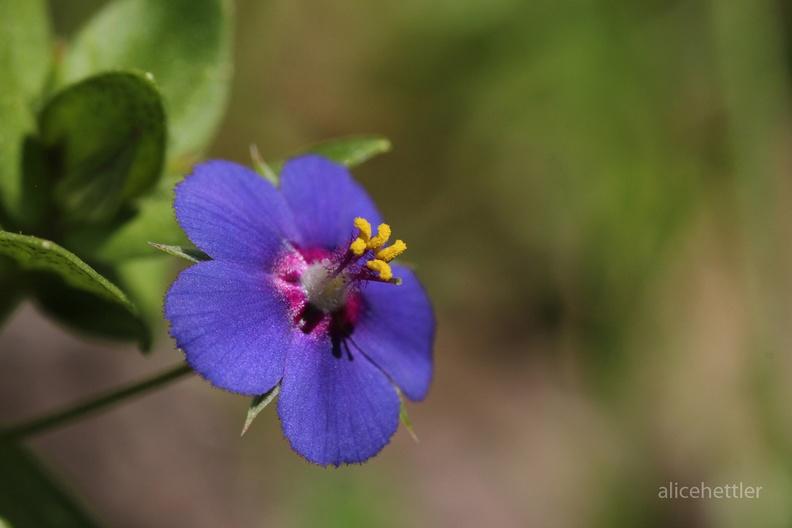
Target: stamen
<point>383,234</point>
<point>359,246</point>
<point>364,227</point>
<point>391,252</point>
<point>380,267</point>
<point>382,255</point>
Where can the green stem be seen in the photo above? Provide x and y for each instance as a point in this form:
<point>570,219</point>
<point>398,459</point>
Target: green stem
<point>90,406</point>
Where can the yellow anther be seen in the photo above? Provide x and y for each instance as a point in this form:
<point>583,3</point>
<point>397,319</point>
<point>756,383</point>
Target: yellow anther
<point>365,229</point>
<point>359,245</point>
<point>365,242</point>
<point>391,252</point>
<point>380,267</point>
<point>383,234</point>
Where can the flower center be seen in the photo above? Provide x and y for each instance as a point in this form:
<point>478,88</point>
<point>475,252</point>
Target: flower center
<point>327,283</point>
<point>324,293</point>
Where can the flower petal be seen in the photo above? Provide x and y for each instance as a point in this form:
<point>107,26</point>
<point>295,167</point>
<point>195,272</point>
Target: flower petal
<point>232,213</point>
<point>232,325</point>
<point>336,407</point>
<point>396,330</point>
<point>325,200</point>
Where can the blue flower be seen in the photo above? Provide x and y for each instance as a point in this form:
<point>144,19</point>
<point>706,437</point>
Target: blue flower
<point>301,292</point>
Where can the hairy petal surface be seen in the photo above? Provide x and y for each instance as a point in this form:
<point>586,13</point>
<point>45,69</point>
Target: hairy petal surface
<point>232,213</point>
<point>336,407</point>
<point>232,325</point>
<point>396,330</point>
<point>325,201</point>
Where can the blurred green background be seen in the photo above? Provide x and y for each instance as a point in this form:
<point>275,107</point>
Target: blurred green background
<point>595,193</point>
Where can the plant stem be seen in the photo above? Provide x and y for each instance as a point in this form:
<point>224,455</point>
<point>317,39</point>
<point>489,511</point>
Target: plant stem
<point>90,406</point>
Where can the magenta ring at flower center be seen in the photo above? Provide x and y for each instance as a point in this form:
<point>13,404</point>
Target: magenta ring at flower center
<point>309,318</point>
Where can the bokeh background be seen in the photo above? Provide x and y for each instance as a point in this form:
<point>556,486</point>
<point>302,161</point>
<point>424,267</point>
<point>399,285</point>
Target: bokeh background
<point>596,195</point>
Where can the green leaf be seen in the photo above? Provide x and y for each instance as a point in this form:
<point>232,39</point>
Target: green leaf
<point>88,314</point>
<point>190,253</point>
<point>349,151</point>
<point>26,63</point>
<point>127,237</point>
<point>39,254</point>
<point>73,292</point>
<point>25,55</point>
<point>107,135</point>
<point>257,404</point>
<point>30,496</point>
<point>185,44</point>
<point>352,151</point>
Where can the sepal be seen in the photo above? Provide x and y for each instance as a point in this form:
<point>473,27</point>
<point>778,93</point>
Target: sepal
<point>258,403</point>
<point>193,254</point>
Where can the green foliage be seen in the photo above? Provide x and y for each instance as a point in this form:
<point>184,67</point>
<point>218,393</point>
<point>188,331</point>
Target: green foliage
<point>107,135</point>
<point>30,497</point>
<point>85,313</point>
<point>23,68</point>
<point>38,254</point>
<point>83,150</point>
<point>184,44</point>
<point>146,280</point>
<point>127,235</point>
<point>351,151</point>
<point>85,145</point>
<point>73,291</point>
